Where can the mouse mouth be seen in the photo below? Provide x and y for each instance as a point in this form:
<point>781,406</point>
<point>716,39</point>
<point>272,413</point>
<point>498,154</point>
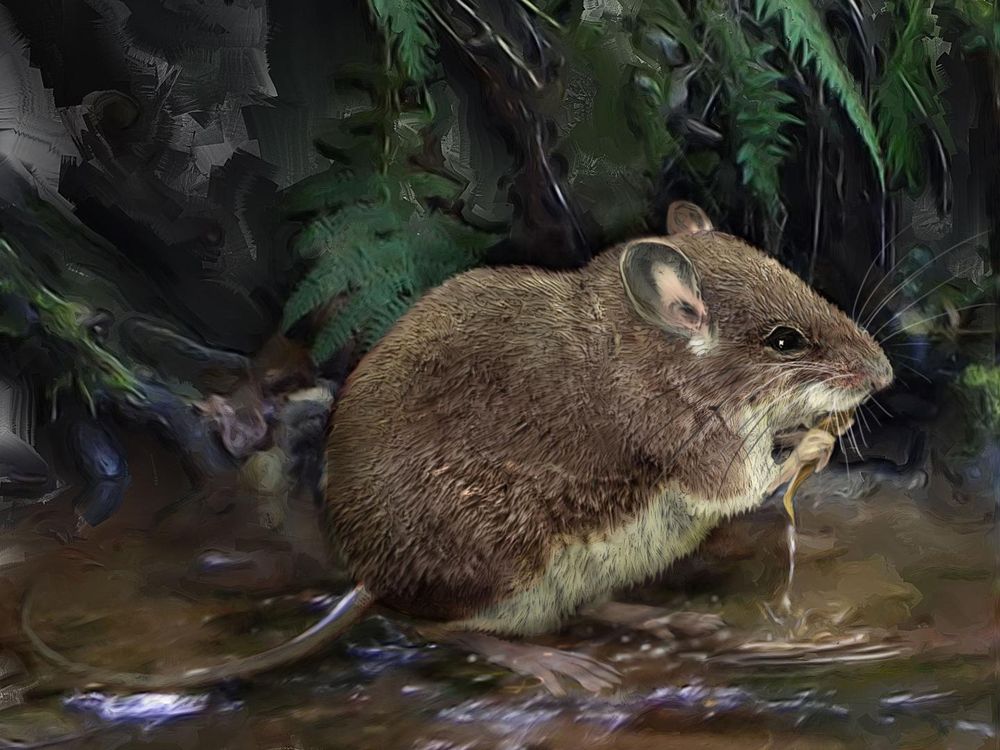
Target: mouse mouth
<point>819,400</point>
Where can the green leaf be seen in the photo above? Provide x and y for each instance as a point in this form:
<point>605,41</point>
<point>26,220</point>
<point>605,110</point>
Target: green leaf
<point>979,21</point>
<point>754,102</point>
<point>330,189</point>
<point>405,25</point>
<point>377,261</point>
<point>92,365</point>
<point>808,37</point>
<point>429,185</point>
<point>908,106</point>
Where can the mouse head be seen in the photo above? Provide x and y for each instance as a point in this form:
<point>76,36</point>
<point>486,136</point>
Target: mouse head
<point>749,329</point>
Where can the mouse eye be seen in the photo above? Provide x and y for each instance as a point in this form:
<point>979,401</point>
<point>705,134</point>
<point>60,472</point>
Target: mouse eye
<point>786,340</point>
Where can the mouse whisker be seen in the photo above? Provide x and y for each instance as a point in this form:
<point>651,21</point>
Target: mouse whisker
<point>853,440</point>
<point>873,415</point>
<point>861,434</point>
<point>862,425</point>
<point>739,450</point>
<point>916,273</point>
<point>765,412</point>
<point>934,317</point>
<point>754,393</point>
<point>746,399</point>
<point>804,368</point>
<point>879,405</point>
<point>749,432</point>
<point>871,267</point>
<point>913,304</point>
<point>847,463</point>
<point>914,370</point>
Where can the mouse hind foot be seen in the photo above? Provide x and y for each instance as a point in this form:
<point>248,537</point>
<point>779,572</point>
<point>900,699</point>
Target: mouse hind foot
<point>547,665</point>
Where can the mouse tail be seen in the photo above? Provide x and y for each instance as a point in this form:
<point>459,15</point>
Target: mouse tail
<point>347,611</point>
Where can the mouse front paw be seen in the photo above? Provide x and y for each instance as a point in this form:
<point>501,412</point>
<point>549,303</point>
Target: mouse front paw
<point>816,447</point>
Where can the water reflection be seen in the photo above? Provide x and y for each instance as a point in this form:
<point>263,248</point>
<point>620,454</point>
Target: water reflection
<point>885,641</point>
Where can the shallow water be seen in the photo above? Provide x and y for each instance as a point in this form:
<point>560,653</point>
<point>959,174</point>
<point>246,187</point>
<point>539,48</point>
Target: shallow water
<point>888,641</point>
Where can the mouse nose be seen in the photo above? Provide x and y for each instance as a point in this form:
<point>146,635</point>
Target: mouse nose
<point>881,374</point>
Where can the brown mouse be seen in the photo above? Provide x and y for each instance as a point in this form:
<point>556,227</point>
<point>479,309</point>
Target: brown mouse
<point>523,443</point>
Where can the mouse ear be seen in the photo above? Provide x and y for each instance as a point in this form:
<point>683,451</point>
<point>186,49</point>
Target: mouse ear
<point>662,286</point>
<point>687,218</point>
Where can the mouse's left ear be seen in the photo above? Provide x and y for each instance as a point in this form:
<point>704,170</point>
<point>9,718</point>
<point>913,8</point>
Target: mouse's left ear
<point>662,285</point>
<point>687,218</point>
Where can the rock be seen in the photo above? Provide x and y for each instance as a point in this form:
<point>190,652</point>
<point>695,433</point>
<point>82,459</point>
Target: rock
<point>908,405</point>
<point>20,464</point>
<point>893,443</point>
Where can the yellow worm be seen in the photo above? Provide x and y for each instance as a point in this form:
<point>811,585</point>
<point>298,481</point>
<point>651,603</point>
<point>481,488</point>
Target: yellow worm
<point>836,424</point>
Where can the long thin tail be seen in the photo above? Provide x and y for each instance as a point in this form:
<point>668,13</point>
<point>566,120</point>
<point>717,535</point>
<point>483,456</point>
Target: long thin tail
<point>342,615</point>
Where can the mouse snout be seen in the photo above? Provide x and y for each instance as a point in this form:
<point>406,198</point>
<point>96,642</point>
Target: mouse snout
<point>880,374</point>
<point>871,375</point>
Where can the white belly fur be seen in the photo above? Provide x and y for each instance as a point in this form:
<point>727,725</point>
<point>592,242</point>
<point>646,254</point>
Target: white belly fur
<point>584,571</point>
<point>581,572</point>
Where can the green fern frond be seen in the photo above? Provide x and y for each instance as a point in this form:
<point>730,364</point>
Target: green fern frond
<point>429,185</point>
<point>378,269</point>
<point>337,331</point>
<point>756,105</point>
<point>332,189</point>
<point>332,276</point>
<point>671,17</point>
<point>405,24</point>
<point>759,106</point>
<point>444,248</point>
<point>907,97</point>
<point>808,37</point>
<point>331,232</point>
<point>393,303</point>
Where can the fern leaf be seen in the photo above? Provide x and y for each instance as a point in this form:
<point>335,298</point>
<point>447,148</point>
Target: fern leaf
<point>380,261</point>
<point>349,225</point>
<point>429,185</point>
<point>760,117</point>
<point>808,37</point>
<point>669,15</point>
<point>907,98</point>
<point>444,248</point>
<point>392,305</point>
<point>405,24</point>
<point>979,21</point>
<point>754,102</point>
<point>350,267</point>
<point>368,315</point>
<point>337,331</point>
<point>328,190</point>
<point>323,283</point>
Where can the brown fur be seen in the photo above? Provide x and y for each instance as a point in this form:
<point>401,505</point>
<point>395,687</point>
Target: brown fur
<point>514,407</point>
